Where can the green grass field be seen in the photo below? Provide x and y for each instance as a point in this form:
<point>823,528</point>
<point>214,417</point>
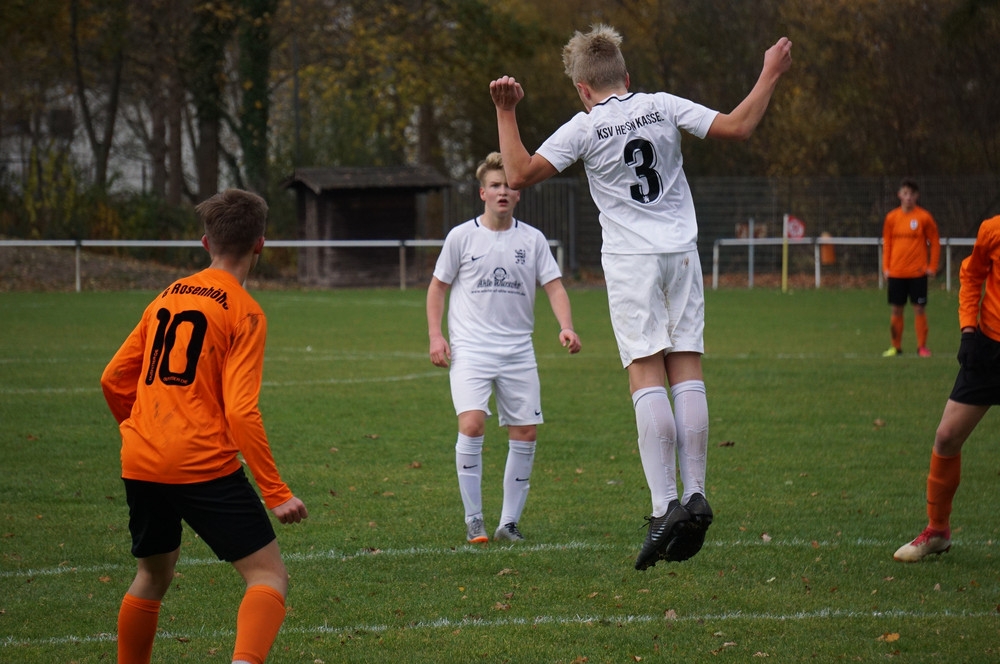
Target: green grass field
<point>818,454</point>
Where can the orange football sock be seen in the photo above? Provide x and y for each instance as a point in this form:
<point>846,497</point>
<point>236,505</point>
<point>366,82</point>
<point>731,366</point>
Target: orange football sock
<point>137,620</point>
<point>896,330</point>
<point>260,616</point>
<point>942,483</point>
<point>920,323</point>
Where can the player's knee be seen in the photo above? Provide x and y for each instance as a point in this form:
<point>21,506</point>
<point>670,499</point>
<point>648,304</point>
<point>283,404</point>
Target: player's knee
<point>948,440</point>
<point>525,434</point>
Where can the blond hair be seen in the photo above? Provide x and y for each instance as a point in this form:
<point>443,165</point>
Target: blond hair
<point>493,162</point>
<point>234,221</point>
<point>595,58</point>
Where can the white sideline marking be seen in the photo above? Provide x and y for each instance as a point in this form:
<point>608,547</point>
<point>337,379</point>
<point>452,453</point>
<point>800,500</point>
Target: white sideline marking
<point>470,549</point>
<point>355,381</point>
<point>447,623</point>
<point>331,554</point>
<point>266,383</point>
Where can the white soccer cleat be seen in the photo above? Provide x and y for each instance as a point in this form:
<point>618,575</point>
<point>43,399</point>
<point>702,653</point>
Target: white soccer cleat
<point>928,542</point>
<point>475,531</point>
<point>508,533</point>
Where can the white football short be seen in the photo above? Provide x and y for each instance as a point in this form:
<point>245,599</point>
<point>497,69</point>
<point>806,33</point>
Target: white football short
<point>657,303</point>
<point>513,378</point>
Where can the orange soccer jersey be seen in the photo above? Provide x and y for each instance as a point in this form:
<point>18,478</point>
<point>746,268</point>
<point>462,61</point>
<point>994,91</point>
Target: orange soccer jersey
<point>185,383</point>
<point>911,244</point>
<point>979,292</point>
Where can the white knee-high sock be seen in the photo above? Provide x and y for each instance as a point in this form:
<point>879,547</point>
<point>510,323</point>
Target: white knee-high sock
<point>517,479</point>
<point>469,464</point>
<point>657,442</point>
<point>691,414</point>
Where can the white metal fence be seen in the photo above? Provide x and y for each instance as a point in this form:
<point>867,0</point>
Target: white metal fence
<point>948,246</point>
<point>402,245</point>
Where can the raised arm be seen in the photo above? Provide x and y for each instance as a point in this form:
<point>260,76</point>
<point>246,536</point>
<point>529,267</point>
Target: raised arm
<point>522,169</point>
<point>741,122</point>
<point>559,301</point>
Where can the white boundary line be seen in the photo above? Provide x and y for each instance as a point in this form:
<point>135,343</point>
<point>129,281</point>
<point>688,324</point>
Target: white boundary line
<point>447,623</point>
<point>266,383</point>
<point>471,549</point>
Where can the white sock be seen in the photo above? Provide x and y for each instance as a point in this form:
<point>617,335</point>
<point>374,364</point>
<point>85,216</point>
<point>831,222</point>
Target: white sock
<point>469,464</point>
<point>691,414</point>
<point>517,479</point>
<point>657,441</point>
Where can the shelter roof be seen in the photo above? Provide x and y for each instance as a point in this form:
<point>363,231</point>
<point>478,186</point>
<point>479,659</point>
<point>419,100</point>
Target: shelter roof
<point>319,179</point>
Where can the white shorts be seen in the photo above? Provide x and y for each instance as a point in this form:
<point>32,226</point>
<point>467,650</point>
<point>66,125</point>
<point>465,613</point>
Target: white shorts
<point>657,303</point>
<point>474,376</point>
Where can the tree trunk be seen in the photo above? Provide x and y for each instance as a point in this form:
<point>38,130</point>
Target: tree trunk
<point>254,68</point>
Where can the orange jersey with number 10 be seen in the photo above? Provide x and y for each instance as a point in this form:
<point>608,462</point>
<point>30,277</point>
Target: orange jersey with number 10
<point>184,387</point>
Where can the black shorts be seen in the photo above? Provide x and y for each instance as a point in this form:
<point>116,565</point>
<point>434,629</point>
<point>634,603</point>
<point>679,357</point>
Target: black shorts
<point>227,513</point>
<point>978,381</point>
<point>900,289</point>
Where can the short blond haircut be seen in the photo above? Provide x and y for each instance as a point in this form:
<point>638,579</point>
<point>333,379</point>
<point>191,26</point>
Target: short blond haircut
<point>234,221</point>
<point>595,58</point>
<point>493,162</point>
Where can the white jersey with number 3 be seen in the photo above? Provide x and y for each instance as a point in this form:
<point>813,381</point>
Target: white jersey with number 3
<point>631,148</point>
<point>493,276</point>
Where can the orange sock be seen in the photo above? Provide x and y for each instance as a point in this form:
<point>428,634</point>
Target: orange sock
<point>260,616</point>
<point>942,483</point>
<point>896,330</point>
<point>920,323</point>
<point>137,620</point>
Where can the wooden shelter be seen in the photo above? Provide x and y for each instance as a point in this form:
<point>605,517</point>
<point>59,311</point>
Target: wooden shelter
<point>347,205</point>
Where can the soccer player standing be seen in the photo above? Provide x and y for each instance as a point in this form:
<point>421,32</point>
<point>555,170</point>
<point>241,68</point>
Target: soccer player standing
<point>184,388</point>
<point>492,264</point>
<point>977,387</point>
<point>630,144</point>
<point>911,248</point>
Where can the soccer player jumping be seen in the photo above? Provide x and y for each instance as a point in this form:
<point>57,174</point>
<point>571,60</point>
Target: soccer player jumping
<point>630,144</point>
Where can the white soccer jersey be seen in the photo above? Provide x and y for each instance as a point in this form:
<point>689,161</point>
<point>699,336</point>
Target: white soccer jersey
<point>631,148</point>
<point>493,276</point>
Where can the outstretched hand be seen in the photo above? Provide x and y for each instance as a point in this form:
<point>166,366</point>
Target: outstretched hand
<point>778,58</point>
<point>506,92</point>
<point>292,510</point>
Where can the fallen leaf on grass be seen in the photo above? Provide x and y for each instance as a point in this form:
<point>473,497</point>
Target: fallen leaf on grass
<point>727,644</point>
<point>889,638</point>
<point>727,443</point>
<point>670,614</point>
